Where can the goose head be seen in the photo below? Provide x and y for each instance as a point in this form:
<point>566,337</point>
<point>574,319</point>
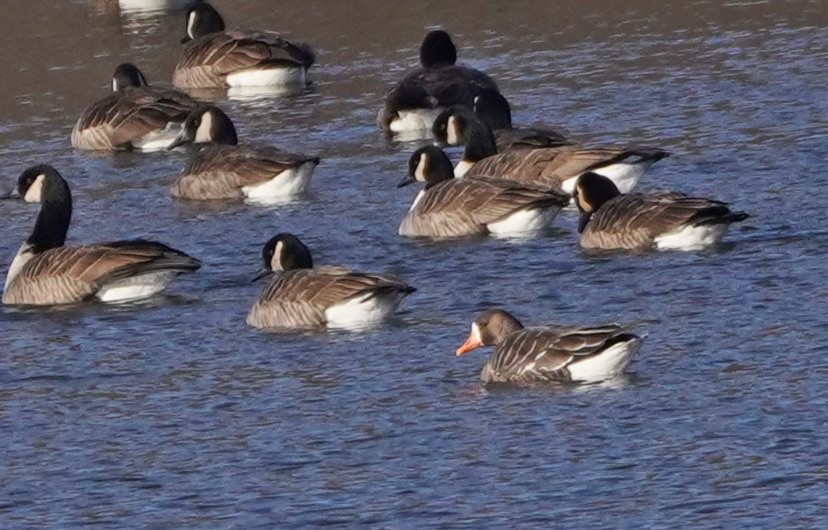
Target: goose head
<point>428,165</point>
<point>206,124</point>
<point>489,329</point>
<point>202,19</point>
<point>591,192</point>
<point>127,75</point>
<point>493,109</point>
<point>437,50</point>
<point>284,252</point>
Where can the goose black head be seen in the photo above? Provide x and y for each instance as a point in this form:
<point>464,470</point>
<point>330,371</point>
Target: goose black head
<point>429,165</point>
<point>285,252</point>
<point>437,50</point>
<point>127,75</point>
<point>206,124</point>
<point>202,19</point>
<point>591,192</point>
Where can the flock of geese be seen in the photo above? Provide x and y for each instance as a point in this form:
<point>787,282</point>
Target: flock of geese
<point>510,181</point>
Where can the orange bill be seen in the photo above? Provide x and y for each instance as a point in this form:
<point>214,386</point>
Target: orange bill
<point>470,344</point>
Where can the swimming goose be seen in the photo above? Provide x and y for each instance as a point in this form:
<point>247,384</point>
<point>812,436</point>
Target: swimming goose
<point>224,170</point>
<point>493,109</point>
<point>414,103</point>
<point>135,116</point>
<point>214,57</point>
<point>303,297</point>
<point>638,221</point>
<point>555,168</point>
<point>449,207</point>
<point>45,272</point>
<point>542,354</point>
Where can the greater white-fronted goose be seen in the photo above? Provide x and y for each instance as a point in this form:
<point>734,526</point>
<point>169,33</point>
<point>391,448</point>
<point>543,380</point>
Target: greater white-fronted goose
<point>135,116</point>
<point>225,170</point>
<point>638,221</point>
<point>447,207</point>
<point>493,109</point>
<point>302,297</point>
<point>45,272</point>
<point>415,101</point>
<point>214,57</point>
<point>555,168</point>
<point>546,353</point>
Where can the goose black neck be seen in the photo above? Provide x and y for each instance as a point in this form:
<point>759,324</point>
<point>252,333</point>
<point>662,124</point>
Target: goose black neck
<point>583,220</point>
<point>493,109</point>
<point>440,169</point>
<point>55,215</point>
<point>480,141</point>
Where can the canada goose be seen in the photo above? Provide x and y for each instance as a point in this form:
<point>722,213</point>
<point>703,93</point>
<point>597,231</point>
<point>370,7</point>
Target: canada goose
<point>449,207</point>
<point>135,116</point>
<point>303,297</point>
<point>224,170</point>
<point>45,272</point>
<point>493,109</point>
<point>545,353</point>
<point>414,103</point>
<point>555,168</point>
<point>214,57</point>
<point>641,221</point>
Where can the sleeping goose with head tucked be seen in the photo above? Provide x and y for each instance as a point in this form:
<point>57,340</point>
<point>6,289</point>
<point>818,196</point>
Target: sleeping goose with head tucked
<point>46,272</point>
<point>546,353</point>
<point>447,207</point>
<point>643,221</point>
<point>215,57</point>
<point>135,116</point>
<point>224,170</point>
<point>552,167</point>
<point>494,110</point>
<point>300,296</point>
<point>414,103</point>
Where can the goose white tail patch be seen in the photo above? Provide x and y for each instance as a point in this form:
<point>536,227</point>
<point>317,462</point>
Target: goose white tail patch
<point>524,221</point>
<point>462,168</point>
<point>414,120</point>
<point>609,363</point>
<point>254,77</point>
<point>288,183</point>
<point>367,309</point>
<point>692,237</point>
<point>137,287</point>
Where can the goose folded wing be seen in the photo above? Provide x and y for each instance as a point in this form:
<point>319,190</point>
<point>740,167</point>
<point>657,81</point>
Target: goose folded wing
<point>232,51</point>
<point>652,215</point>
<point>83,270</point>
<point>548,168</point>
<point>325,287</point>
<point>244,165</point>
<point>138,113</point>
<point>485,200</point>
<point>547,351</point>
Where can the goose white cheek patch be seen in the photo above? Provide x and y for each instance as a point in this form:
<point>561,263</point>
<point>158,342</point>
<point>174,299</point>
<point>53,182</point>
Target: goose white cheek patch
<point>35,191</point>
<point>190,24</point>
<point>451,137</point>
<point>419,174</point>
<point>276,260</point>
<point>203,133</point>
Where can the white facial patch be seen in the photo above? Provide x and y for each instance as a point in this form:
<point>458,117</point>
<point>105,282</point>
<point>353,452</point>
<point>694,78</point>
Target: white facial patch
<point>190,23</point>
<point>419,174</point>
<point>35,191</point>
<point>204,132</point>
<point>276,260</point>
<point>475,333</point>
<point>452,137</point>
<point>114,85</point>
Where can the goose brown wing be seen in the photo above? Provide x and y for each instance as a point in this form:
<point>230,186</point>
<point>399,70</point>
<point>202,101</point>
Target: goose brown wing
<point>543,353</point>
<point>127,115</point>
<point>547,168</point>
<point>635,220</point>
<point>222,170</point>
<point>231,51</point>
<point>461,207</point>
<point>528,138</point>
<point>70,274</point>
<point>325,287</point>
